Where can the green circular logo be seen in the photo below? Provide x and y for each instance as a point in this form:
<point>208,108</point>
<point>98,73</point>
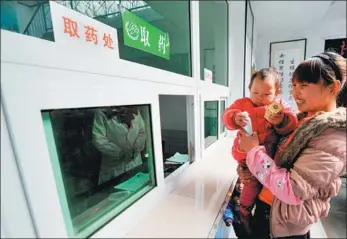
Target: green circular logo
<point>132,30</point>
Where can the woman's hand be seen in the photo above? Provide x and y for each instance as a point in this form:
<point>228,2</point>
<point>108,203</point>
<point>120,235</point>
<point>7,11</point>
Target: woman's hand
<point>248,142</point>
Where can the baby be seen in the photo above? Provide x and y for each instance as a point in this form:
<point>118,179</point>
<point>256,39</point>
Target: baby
<point>231,214</point>
<point>270,117</point>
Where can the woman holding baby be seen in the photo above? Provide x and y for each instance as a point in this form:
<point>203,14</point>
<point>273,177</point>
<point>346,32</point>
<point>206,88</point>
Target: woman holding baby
<point>305,172</point>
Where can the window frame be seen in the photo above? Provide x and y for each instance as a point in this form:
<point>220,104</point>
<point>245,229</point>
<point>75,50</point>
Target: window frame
<point>150,82</point>
<point>59,179</point>
<point>222,133</point>
<point>218,122</point>
<point>45,200</point>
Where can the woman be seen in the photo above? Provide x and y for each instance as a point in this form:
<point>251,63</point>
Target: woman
<point>307,167</point>
<point>119,134</point>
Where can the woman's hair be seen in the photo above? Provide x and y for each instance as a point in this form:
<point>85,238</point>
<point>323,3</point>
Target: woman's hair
<point>326,67</point>
<point>265,72</point>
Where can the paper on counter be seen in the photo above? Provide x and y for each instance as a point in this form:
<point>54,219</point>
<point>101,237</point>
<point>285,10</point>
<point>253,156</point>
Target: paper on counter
<point>179,158</point>
<point>134,183</point>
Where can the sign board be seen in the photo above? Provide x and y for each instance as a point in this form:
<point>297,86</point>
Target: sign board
<point>208,75</point>
<point>75,29</point>
<point>144,36</point>
<point>337,45</point>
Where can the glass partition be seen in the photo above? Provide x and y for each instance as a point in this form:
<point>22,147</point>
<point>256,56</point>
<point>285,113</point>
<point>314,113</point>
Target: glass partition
<point>213,20</point>
<point>174,131</point>
<point>32,18</point>
<point>102,161</point>
<point>211,122</point>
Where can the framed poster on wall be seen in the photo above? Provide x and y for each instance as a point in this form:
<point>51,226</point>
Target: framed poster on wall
<point>338,45</point>
<point>285,56</point>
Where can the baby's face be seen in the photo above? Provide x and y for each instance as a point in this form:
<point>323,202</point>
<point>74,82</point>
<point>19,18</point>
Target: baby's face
<point>263,91</point>
<point>239,187</point>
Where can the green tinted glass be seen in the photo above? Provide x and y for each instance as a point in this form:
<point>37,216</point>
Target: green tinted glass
<point>213,20</point>
<point>102,160</point>
<point>211,122</point>
<point>32,18</point>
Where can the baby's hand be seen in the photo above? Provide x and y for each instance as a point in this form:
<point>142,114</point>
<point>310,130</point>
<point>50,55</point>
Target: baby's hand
<point>274,113</point>
<point>275,119</point>
<point>242,119</point>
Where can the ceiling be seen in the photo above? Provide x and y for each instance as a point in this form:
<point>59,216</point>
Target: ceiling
<point>295,15</point>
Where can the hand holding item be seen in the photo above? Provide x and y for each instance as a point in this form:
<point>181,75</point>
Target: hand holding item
<point>248,142</point>
<point>274,113</point>
<point>242,119</point>
<point>228,222</point>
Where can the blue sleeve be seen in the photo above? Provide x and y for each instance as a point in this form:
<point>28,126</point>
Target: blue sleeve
<point>228,213</point>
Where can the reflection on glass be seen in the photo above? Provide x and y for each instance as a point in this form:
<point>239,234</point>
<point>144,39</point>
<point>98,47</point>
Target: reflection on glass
<point>213,21</point>
<point>105,161</point>
<point>222,109</point>
<point>211,122</point>
<point>171,17</point>
<point>28,19</point>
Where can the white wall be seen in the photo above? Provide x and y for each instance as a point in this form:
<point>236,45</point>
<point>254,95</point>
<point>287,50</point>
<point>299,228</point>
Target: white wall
<point>173,112</point>
<point>16,221</point>
<point>315,39</point>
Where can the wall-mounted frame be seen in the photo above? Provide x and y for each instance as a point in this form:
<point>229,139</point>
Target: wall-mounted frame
<point>248,45</point>
<point>287,45</point>
<point>338,45</point>
<point>285,57</point>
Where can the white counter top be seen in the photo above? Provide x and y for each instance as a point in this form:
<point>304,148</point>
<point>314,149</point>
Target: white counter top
<point>191,209</point>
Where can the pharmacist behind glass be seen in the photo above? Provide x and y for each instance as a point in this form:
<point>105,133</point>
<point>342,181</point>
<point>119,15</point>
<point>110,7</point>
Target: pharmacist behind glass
<point>119,134</point>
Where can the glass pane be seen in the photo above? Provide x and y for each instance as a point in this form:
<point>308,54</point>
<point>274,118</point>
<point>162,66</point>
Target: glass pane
<point>171,17</point>
<point>102,160</point>
<point>213,21</point>
<point>174,131</point>
<point>31,18</point>
<point>222,109</point>
<point>211,122</point>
